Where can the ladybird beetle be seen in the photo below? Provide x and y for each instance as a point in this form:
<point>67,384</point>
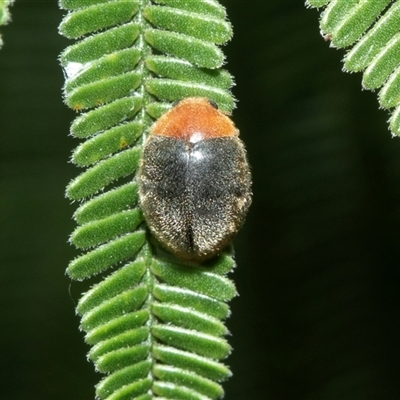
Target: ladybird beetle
<point>194,180</point>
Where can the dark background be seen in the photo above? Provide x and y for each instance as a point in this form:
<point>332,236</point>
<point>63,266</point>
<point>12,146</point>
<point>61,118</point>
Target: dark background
<point>318,260</point>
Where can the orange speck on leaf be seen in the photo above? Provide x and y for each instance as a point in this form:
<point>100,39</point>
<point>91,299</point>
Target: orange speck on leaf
<point>123,143</point>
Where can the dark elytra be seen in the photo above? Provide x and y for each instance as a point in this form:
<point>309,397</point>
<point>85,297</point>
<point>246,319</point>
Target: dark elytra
<point>194,196</point>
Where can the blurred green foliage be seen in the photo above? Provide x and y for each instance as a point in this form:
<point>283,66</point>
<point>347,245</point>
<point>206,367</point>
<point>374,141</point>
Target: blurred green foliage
<point>318,259</point>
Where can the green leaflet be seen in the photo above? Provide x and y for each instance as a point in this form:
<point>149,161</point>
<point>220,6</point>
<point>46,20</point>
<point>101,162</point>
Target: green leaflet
<point>199,343</point>
<point>101,231</point>
<point>317,3</point>
<point>107,203</point>
<point>201,365</point>
<point>202,281</point>
<point>113,64</point>
<point>208,7</point>
<point>121,381</point>
<point>200,26</point>
<point>122,279</point>
<point>191,380</point>
<point>188,318</point>
<point>130,338</point>
<point>168,89</point>
<point>106,143</point>
<point>180,70</point>
<point>106,116</point>
<point>196,51</point>
<point>173,391</point>
<point>113,328</point>
<point>103,173</point>
<point>156,325</point>
<point>4,14</point>
<point>97,17</point>
<point>104,91</point>
<point>371,26</point>
<point>95,47</point>
<point>191,299</point>
<point>105,256</point>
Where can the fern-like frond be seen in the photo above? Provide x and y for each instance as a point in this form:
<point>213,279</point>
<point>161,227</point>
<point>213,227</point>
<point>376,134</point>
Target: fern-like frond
<point>4,14</point>
<point>155,323</point>
<point>373,28</point>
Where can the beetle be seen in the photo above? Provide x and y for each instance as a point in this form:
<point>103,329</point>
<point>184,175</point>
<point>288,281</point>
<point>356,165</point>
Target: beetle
<point>194,180</point>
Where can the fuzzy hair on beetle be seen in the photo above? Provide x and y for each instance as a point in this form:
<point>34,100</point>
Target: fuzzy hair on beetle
<point>194,180</point>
